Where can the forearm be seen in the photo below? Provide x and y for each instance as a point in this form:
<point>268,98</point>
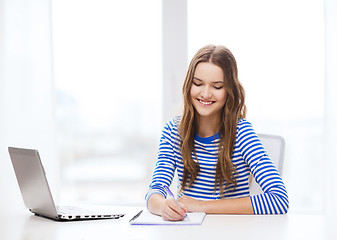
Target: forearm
<point>229,206</point>
<point>221,206</point>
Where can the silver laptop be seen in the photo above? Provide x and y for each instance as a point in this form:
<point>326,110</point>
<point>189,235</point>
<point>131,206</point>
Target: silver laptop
<point>36,193</point>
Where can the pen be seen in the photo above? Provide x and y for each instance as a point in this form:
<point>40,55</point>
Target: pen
<point>172,196</point>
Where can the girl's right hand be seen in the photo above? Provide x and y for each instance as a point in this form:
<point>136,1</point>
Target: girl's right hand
<point>171,211</point>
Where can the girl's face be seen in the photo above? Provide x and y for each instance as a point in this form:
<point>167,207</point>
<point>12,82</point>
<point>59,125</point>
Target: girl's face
<point>208,93</point>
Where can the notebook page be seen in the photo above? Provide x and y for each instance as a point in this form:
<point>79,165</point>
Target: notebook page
<point>146,218</point>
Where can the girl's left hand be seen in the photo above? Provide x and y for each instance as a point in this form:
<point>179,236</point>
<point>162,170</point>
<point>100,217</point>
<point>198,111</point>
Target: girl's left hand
<point>190,204</point>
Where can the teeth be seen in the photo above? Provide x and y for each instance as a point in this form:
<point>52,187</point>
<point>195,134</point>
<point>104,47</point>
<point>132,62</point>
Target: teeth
<point>206,103</point>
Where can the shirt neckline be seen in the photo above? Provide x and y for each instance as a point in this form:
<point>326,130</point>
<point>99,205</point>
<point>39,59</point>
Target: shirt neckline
<point>206,139</point>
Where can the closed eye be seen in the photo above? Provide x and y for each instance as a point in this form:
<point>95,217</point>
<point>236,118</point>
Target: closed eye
<point>197,84</point>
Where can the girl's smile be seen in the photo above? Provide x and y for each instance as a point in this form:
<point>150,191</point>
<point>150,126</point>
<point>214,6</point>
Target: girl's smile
<point>206,103</point>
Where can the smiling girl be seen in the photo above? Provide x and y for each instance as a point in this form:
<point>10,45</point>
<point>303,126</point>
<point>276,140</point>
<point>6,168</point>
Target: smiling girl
<point>213,148</point>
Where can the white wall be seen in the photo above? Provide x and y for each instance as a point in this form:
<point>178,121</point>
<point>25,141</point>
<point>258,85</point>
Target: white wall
<point>25,92</point>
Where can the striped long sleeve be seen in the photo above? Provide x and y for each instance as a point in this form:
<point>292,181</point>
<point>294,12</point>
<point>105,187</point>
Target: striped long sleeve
<point>274,200</point>
<point>248,156</point>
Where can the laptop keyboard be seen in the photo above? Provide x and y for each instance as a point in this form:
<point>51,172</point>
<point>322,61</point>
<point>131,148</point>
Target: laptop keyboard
<point>83,213</point>
<point>71,210</point>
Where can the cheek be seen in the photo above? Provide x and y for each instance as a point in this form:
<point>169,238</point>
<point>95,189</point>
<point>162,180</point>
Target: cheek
<point>193,92</point>
<point>222,97</point>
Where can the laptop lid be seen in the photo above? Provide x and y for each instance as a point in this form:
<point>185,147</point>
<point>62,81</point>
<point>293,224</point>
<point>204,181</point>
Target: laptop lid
<point>32,181</point>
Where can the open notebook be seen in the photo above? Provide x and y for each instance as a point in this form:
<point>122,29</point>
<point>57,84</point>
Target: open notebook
<point>144,217</point>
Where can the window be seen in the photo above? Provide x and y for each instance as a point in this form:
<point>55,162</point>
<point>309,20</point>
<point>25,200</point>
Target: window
<point>107,70</point>
<point>108,80</point>
<point>279,47</point>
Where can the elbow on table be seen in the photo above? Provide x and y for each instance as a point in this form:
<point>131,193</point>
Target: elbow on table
<point>270,203</point>
<point>283,205</point>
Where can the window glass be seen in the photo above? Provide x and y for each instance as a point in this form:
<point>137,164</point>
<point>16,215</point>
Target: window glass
<point>279,48</point>
<point>107,71</point>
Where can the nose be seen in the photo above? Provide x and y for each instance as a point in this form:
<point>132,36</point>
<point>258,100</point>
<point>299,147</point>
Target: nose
<point>206,93</point>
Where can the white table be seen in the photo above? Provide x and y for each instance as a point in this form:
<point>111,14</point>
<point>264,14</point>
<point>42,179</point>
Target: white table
<point>290,226</point>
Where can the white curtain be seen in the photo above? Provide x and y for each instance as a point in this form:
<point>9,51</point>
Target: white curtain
<point>26,91</point>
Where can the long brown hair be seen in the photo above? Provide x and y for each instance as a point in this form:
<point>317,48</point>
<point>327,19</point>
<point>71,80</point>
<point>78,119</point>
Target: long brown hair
<point>233,110</point>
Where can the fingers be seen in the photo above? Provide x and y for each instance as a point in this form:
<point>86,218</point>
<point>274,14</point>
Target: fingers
<point>171,211</point>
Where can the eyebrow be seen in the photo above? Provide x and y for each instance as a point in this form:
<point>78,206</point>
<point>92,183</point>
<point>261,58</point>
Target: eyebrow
<point>203,80</point>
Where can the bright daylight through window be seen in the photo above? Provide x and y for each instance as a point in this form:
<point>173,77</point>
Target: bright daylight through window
<point>108,88</point>
<point>279,47</point>
<point>107,71</point>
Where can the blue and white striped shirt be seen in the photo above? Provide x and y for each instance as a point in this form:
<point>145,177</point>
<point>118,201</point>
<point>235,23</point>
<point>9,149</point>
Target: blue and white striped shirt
<point>248,156</point>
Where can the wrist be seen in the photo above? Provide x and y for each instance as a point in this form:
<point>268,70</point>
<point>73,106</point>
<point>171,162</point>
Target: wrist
<point>155,204</point>
<point>202,206</point>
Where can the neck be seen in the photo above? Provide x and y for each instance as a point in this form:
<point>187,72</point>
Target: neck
<point>207,127</point>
